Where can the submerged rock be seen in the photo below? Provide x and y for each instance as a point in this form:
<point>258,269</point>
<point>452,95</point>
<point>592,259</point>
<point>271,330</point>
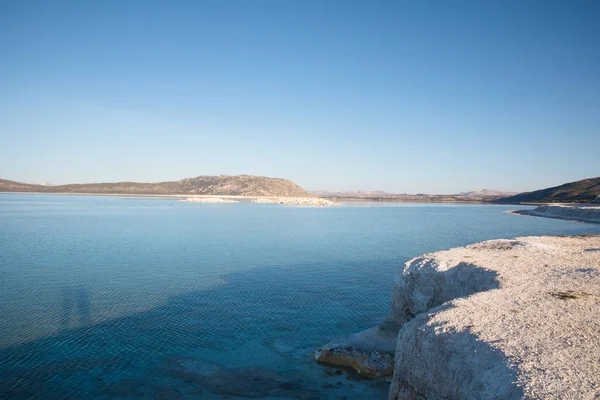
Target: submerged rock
<point>370,352</point>
<point>371,364</point>
<point>245,382</point>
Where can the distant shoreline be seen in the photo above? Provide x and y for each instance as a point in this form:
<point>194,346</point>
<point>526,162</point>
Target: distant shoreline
<point>409,200</point>
<point>429,199</point>
<point>218,199</point>
<point>589,213</point>
<point>239,197</point>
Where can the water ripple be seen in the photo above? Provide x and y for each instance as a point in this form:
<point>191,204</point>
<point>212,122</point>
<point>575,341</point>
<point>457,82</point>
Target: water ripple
<point>104,298</point>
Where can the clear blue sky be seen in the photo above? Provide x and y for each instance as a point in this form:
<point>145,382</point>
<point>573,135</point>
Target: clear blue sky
<point>420,96</point>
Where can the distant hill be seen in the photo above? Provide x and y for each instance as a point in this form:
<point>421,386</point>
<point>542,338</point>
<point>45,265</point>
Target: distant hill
<point>223,185</point>
<point>579,192</point>
<point>357,194</point>
<point>487,193</point>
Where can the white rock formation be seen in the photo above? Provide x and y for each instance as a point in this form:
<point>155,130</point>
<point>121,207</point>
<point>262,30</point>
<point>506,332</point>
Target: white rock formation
<point>573,212</point>
<point>502,319</point>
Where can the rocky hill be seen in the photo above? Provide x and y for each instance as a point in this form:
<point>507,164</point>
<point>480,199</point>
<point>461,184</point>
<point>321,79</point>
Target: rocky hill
<point>582,191</point>
<point>354,194</point>
<point>222,185</point>
<point>12,186</point>
<point>487,193</point>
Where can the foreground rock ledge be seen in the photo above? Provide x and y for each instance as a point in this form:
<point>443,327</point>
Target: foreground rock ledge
<point>501,319</point>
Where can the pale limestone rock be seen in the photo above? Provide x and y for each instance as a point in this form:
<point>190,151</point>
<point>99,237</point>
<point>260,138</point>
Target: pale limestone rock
<point>534,336</point>
<point>501,319</point>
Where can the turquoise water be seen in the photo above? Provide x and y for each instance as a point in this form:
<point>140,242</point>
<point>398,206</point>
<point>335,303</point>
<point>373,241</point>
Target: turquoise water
<point>110,297</point>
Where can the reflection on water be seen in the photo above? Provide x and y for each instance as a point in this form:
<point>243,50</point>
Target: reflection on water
<point>150,298</point>
<point>77,309</point>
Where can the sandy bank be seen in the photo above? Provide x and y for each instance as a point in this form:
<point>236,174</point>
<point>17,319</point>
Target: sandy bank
<point>207,200</point>
<point>501,319</point>
<point>573,212</point>
<point>304,201</point>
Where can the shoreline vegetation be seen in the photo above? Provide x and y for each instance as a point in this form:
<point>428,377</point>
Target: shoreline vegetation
<point>524,311</point>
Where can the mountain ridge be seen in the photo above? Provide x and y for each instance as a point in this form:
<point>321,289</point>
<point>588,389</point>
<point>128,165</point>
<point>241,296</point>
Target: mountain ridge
<point>475,195</point>
<point>222,185</point>
<point>582,191</point>
<point>487,193</point>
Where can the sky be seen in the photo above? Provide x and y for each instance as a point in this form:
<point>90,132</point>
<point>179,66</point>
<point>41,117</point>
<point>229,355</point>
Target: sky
<point>401,96</point>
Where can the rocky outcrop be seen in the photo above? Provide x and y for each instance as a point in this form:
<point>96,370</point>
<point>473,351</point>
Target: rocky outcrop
<point>502,319</point>
<point>242,185</point>
<point>370,353</point>
<point>421,286</point>
<point>572,212</point>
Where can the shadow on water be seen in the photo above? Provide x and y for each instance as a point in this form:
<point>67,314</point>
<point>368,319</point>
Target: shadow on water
<point>252,337</point>
<point>76,307</point>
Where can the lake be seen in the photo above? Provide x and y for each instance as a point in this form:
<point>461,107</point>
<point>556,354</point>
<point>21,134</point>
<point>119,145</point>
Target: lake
<point>127,297</point>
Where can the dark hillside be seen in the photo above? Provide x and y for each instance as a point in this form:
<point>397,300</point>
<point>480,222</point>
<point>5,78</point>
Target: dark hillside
<point>582,191</point>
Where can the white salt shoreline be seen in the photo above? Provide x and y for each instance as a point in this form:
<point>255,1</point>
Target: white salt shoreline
<point>187,198</point>
<point>303,201</point>
<point>501,319</point>
<point>571,212</point>
<point>207,200</point>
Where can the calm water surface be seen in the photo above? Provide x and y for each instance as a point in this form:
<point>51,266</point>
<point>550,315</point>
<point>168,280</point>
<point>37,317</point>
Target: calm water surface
<point>110,297</point>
